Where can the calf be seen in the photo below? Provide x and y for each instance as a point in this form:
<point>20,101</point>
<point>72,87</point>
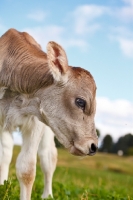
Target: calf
<point>41,94</point>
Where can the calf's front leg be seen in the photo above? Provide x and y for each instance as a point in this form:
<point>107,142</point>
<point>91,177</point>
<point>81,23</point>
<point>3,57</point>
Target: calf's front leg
<point>48,159</point>
<point>6,148</point>
<point>26,161</point>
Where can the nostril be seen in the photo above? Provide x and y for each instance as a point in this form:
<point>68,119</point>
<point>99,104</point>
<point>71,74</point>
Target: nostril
<point>93,148</point>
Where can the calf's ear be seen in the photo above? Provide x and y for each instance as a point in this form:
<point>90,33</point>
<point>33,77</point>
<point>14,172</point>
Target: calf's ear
<point>57,60</point>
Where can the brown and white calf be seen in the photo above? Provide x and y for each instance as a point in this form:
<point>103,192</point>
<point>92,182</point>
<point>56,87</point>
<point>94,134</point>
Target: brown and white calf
<point>41,94</point>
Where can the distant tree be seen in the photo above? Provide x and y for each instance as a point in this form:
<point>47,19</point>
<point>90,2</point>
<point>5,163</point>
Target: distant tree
<point>124,143</point>
<point>107,144</point>
<point>129,151</point>
<point>98,132</point>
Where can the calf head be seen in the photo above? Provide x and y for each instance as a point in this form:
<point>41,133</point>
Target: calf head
<point>68,105</point>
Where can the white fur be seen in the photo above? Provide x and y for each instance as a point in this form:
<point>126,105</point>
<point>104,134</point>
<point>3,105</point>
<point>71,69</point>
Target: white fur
<point>48,158</point>
<point>6,147</point>
<point>33,132</point>
<point>26,161</point>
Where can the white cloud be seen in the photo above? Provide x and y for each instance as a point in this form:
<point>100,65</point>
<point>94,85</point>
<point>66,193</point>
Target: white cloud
<point>55,33</point>
<point>114,117</point>
<point>126,46</point>
<point>45,34</point>
<point>84,17</point>
<point>130,2</point>
<point>124,37</point>
<point>37,15</point>
<point>125,13</point>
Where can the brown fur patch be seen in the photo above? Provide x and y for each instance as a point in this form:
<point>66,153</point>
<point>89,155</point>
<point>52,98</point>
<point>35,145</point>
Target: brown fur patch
<point>24,65</point>
<point>27,178</point>
<point>86,77</point>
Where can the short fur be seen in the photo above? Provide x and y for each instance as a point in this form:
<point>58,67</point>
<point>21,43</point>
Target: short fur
<point>37,95</point>
<point>23,58</point>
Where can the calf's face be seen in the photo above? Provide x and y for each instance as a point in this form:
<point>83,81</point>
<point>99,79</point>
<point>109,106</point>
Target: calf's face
<point>68,106</point>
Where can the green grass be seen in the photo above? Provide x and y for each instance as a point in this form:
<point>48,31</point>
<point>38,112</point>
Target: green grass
<point>101,177</point>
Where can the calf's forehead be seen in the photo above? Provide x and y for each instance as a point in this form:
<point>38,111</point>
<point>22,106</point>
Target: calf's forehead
<point>83,80</point>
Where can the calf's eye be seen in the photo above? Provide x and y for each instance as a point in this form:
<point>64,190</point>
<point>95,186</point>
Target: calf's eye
<point>81,103</point>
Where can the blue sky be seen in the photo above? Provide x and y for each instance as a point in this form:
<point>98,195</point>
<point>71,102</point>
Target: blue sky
<point>98,36</point>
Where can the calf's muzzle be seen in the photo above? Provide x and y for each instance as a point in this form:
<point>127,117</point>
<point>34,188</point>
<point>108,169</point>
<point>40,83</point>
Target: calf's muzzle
<point>89,148</point>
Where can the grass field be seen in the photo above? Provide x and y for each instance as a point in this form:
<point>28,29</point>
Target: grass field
<point>101,177</point>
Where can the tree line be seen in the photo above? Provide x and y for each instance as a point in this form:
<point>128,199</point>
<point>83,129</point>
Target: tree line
<point>124,144</point>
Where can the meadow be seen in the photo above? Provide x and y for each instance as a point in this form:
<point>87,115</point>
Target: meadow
<point>101,177</point>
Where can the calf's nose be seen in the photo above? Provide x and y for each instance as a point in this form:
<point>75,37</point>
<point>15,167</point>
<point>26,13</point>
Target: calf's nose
<point>93,149</point>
